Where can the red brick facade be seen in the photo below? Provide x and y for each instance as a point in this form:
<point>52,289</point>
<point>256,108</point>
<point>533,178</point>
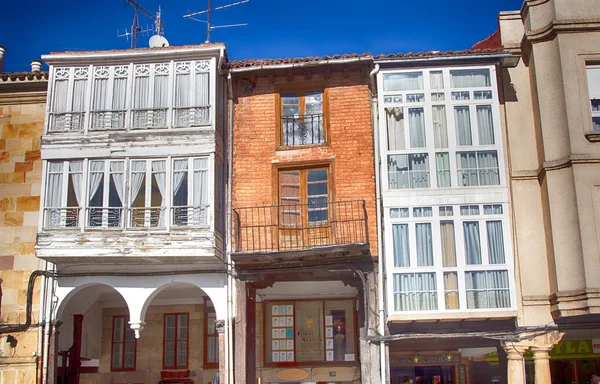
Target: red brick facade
<point>349,150</point>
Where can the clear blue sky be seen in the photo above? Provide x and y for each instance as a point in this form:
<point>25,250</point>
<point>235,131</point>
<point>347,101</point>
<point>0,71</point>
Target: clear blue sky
<point>276,28</point>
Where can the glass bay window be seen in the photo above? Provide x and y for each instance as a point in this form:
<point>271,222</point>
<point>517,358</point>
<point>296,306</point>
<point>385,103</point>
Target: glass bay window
<point>441,116</point>
<point>135,193</point>
<point>449,258</point>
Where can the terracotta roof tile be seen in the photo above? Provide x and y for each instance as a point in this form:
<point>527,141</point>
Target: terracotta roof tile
<point>148,49</point>
<point>23,76</point>
<point>259,63</point>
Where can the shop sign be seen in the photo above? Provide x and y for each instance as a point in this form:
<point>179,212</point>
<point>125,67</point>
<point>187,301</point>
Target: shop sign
<point>596,345</point>
<point>293,374</point>
<point>565,349</point>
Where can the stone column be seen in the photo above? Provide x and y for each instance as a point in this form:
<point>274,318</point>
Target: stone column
<point>223,374</point>
<point>516,364</point>
<point>541,359</point>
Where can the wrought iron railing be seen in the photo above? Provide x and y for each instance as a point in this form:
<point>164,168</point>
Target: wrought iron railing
<point>61,217</point>
<point>146,217</point>
<point>104,217</point>
<point>66,122</point>
<point>107,120</point>
<point>190,116</point>
<point>189,216</point>
<point>300,226</point>
<point>302,129</point>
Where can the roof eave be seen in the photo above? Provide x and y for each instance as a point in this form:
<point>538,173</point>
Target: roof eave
<point>432,59</point>
<point>307,64</point>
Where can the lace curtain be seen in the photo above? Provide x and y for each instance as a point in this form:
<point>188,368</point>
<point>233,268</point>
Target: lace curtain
<point>415,292</point>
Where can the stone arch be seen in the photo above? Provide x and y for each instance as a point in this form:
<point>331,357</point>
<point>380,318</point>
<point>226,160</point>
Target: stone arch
<point>67,293</point>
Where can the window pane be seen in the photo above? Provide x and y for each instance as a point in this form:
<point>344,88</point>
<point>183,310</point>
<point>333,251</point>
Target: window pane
<point>467,169</point>
<point>472,243</point>
<point>202,89</point>
<point>415,292</point>
<point>401,245</point>
<point>495,242</point>
<point>438,97</point>
<point>451,290</point>
<point>182,321</point>
<point>463,125</point>
<point>182,353</point>
<point>169,354</point>
<point>424,245</point>
<point>442,166</point>
<point>289,198</point>
<point>487,289</point>
<point>170,327</point>
<point>482,95</point>
<point>129,355</point>
<point>141,88</point>
<point>395,128</point>
<point>396,213</point>
<point>440,130</point>
<point>446,211</point>
<point>463,95</point>
<point>487,162</point>
<point>117,355</point>
<point>402,81</point>
<point>118,329</point>
<point>416,123</point>
<point>408,171</point>
<point>495,209</point>
<point>437,80</point>
<point>485,124</point>
<point>415,98</point>
<point>469,210</point>
<point>467,78</point>
<point>100,92</point>
<point>423,212</point>
<point>448,244</point>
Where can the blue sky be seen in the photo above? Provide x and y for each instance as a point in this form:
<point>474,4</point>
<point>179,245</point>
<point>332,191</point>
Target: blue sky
<point>276,28</point>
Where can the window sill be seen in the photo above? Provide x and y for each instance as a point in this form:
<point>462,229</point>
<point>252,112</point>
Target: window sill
<point>309,146</point>
<point>467,314</point>
<point>593,137</point>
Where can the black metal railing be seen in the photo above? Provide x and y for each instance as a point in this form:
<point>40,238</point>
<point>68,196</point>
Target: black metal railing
<point>289,227</point>
<point>302,129</point>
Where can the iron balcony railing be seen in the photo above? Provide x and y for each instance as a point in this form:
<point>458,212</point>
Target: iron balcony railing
<point>293,227</point>
<point>302,129</point>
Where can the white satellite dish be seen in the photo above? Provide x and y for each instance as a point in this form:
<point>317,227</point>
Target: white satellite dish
<point>158,41</point>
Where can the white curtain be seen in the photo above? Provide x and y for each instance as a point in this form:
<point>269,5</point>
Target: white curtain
<point>54,194</point>
<point>467,210</point>
<point>485,124</point>
<point>495,242</point>
<point>96,173</point>
<point>161,90</point>
<point>423,212</point>
<point>138,172</point>
<point>487,289</point>
<point>119,93</point>
<point>472,243</point>
<point>448,244</point>
<point>402,81</point>
<point>440,130</point>
<point>117,169</point>
<point>160,175</point>
<point>469,78</point>
<point>395,128</point>
<point>416,123</point>
<point>424,245</point>
<point>437,79</point>
<point>179,172</point>
<point>200,189</point>
<point>467,169</point>
<point>495,209</point>
<point>100,92</point>
<point>183,94</point>
<point>415,292</point>
<point>60,103</point>
<point>463,125</point>
<point>202,89</point>
<point>419,165</point>
<point>79,95</point>
<point>76,170</point>
<point>408,171</point>
<point>442,166</point>
<point>141,89</point>
<point>401,247</point>
<point>487,162</point>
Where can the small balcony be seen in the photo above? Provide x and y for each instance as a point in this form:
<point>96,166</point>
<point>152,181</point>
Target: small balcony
<point>300,130</point>
<point>311,233</point>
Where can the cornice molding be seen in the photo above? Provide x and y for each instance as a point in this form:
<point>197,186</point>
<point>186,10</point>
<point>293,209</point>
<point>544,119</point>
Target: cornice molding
<point>553,165</point>
<point>12,98</point>
<point>550,31</point>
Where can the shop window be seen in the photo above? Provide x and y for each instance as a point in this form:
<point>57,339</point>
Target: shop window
<point>310,331</point>
<point>175,341</point>
<point>124,345</point>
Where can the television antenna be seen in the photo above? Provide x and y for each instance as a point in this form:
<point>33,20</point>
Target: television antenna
<point>209,26</point>
<point>159,25</point>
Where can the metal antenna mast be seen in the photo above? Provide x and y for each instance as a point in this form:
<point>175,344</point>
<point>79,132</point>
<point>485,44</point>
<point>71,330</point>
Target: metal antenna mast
<point>209,26</point>
<point>159,25</point>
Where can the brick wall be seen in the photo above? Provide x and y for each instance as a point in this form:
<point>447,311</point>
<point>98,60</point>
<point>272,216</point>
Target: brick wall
<point>21,126</point>
<point>350,148</point>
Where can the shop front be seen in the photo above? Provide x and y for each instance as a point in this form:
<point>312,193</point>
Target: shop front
<point>427,368</point>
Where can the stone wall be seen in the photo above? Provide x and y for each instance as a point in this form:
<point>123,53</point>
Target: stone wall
<point>21,126</point>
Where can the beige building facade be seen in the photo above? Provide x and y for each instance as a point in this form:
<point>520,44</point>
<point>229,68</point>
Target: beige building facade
<point>22,106</point>
<point>548,107</point>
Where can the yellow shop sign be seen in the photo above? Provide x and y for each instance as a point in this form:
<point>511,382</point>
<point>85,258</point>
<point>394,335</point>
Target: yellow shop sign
<point>565,349</point>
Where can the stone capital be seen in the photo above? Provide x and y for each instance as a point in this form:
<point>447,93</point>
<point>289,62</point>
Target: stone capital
<point>514,350</point>
<point>137,326</point>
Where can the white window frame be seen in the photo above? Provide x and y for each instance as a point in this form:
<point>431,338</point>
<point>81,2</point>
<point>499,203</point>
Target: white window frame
<point>461,265</point>
<point>593,82</point>
<point>112,73</point>
<point>65,172</point>
<point>68,74</point>
<point>449,104</point>
<point>106,195</point>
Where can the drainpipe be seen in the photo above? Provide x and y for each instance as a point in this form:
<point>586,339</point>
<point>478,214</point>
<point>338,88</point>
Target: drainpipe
<point>380,246</point>
<point>230,289</point>
<point>48,293</point>
<point>41,326</point>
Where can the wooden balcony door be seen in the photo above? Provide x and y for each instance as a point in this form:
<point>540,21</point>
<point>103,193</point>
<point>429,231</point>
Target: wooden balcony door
<point>304,208</point>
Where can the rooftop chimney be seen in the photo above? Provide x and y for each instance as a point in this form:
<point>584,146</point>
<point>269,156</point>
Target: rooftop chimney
<point>2,50</point>
<point>36,65</point>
